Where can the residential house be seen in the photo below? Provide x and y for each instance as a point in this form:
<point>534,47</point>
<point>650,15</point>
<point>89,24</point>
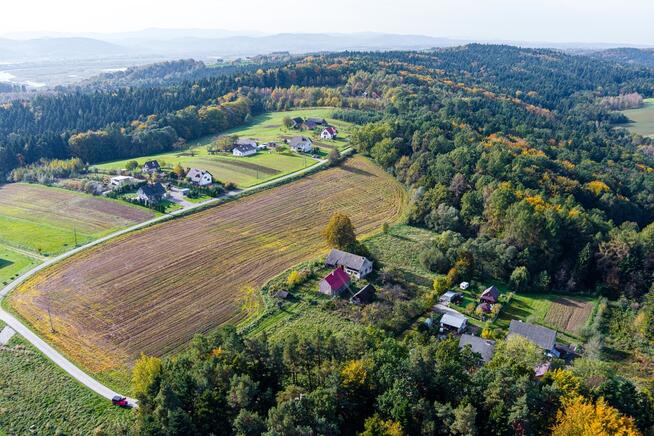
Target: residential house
<point>151,167</point>
<point>481,346</point>
<point>353,264</point>
<point>365,295</point>
<point>335,282</point>
<point>453,322</point>
<point>244,150</point>
<point>297,122</point>
<point>120,181</point>
<point>450,297</point>
<point>542,336</point>
<point>484,307</point>
<point>300,144</point>
<point>490,295</point>
<point>329,133</point>
<point>151,193</point>
<point>317,121</point>
<point>199,177</point>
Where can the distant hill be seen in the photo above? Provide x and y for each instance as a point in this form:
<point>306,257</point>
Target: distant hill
<point>625,55</point>
<point>57,48</point>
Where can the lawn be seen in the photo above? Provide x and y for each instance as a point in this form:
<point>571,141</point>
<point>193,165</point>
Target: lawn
<point>36,397</point>
<point>13,264</point>
<point>251,170</point>
<point>51,220</point>
<point>152,290</point>
<point>642,118</point>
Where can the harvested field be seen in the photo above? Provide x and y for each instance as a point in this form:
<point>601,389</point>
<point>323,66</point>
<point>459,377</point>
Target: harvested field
<point>568,314</point>
<point>46,219</point>
<point>151,291</point>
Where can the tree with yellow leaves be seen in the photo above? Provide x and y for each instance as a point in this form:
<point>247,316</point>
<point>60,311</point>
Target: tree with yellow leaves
<point>581,417</point>
<point>250,301</point>
<point>354,374</point>
<point>145,370</point>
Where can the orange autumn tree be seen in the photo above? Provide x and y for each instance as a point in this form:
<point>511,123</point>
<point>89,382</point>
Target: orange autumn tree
<point>581,417</point>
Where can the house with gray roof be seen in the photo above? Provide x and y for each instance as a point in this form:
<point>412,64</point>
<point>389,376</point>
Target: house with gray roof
<point>484,347</point>
<point>151,193</point>
<point>541,336</point>
<point>242,150</point>
<point>454,322</point>
<point>355,265</point>
<point>300,144</point>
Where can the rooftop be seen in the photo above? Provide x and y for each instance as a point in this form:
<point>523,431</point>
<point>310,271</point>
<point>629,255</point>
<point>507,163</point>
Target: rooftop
<point>541,336</point>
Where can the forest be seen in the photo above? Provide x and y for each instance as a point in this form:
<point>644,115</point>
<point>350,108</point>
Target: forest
<point>512,156</point>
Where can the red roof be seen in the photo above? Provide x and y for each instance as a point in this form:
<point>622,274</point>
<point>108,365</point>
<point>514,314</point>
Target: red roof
<point>331,130</point>
<point>337,279</point>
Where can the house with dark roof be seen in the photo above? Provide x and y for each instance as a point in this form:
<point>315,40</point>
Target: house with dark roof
<point>454,322</point>
<point>151,193</point>
<point>335,282</point>
<point>481,346</point>
<point>151,166</point>
<point>329,133</point>
<point>317,121</point>
<point>541,336</point>
<point>353,264</point>
<point>199,177</point>
<point>484,307</point>
<point>300,144</point>
<point>297,122</point>
<point>490,295</point>
<point>244,147</point>
<point>365,295</point>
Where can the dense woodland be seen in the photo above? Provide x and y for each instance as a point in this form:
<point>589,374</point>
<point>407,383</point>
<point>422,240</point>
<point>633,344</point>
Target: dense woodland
<point>511,155</point>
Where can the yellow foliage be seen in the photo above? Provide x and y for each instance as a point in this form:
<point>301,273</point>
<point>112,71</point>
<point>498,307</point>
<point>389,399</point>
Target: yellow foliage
<point>580,417</point>
<point>294,278</point>
<point>145,370</point>
<point>536,201</point>
<point>567,382</point>
<point>597,187</point>
<point>487,333</point>
<point>217,352</point>
<point>354,374</point>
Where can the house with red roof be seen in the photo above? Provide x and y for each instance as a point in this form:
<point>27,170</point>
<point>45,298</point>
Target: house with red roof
<point>335,283</point>
<point>329,133</point>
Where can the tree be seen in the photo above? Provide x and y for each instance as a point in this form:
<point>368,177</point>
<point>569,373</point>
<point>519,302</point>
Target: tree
<point>179,171</point>
<point>465,416</point>
<point>580,417</point>
<point>339,232</point>
<point>520,278</point>
<point>334,157</point>
<point>248,423</point>
<point>294,278</point>
<point>375,426</point>
<point>288,122</point>
<point>131,165</point>
<point>144,373</point>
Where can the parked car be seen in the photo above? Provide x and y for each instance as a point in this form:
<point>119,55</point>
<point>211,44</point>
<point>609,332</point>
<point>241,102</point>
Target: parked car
<point>119,401</point>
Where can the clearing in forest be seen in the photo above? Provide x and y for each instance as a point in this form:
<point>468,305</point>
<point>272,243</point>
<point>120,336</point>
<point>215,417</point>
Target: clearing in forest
<point>152,290</point>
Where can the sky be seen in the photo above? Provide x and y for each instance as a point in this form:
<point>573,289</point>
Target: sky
<point>610,21</point>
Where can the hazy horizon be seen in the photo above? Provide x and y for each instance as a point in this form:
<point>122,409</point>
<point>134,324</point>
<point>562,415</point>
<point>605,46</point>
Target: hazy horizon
<point>555,21</point>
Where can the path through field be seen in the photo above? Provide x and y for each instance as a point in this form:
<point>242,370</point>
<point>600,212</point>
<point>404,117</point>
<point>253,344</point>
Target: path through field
<point>151,291</point>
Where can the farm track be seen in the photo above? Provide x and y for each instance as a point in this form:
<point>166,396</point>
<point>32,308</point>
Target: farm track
<point>152,290</point>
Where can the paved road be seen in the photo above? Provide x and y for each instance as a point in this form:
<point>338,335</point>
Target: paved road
<point>53,354</point>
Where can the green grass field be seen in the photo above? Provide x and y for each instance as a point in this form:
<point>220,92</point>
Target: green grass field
<point>251,170</point>
<point>36,397</point>
<point>643,118</point>
<point>50,220</point>
<point>13,264</point>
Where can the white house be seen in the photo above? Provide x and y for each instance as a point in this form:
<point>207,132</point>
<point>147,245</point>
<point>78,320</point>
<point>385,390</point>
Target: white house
<point>199,177</point>
<point>329,133</point>
<point>301,144</point>
<point>120,181</point>
<point>357,266</point>
<point>244,150</point>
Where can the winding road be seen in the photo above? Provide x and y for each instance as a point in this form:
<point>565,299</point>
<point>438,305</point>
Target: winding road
<point>56,357</point>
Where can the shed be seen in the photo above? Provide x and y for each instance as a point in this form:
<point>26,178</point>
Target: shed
<point>365,295</point>
<point>450,297</point>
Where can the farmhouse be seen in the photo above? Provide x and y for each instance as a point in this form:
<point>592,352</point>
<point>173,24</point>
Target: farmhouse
<point>244,150</point>
<point>543,337</point>
<point>297,122</point>
<point>329,133</point>
<point>335,283</point>
<point>120,181</point>
<point>365,295</point>
<point>151,193</point>
<point>199,177</point>
<point>357,266</point>
<point>317,121</point>
<point>490,295</point>
<point>450,297</point>
<point>151,166</point>
<point>452,322</point>
<point>484,347</point>
<point>300,144</point>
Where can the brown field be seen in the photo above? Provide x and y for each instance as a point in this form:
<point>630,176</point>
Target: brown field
<point>152,290</point>
<point>569,314</point>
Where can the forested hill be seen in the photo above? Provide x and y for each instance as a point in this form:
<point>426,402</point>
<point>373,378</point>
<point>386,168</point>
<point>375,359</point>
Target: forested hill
<point>626,55</point>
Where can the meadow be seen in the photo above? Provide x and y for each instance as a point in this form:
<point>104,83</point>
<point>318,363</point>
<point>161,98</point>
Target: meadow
<point>152,290</point>
<point>13,264</point>
<point>51,220</point>
<point>248,171</point>
<point>643,118</point>
<point>36,397</point>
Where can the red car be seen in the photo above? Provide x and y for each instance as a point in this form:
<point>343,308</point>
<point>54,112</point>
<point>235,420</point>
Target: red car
<point>120,401</point>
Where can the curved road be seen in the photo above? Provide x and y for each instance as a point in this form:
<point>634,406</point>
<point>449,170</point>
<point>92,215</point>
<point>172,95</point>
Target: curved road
<point>53,354</point>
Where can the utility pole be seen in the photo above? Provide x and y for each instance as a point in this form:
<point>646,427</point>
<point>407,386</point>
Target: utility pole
<point>75,235</point>
<point>52,330</point>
